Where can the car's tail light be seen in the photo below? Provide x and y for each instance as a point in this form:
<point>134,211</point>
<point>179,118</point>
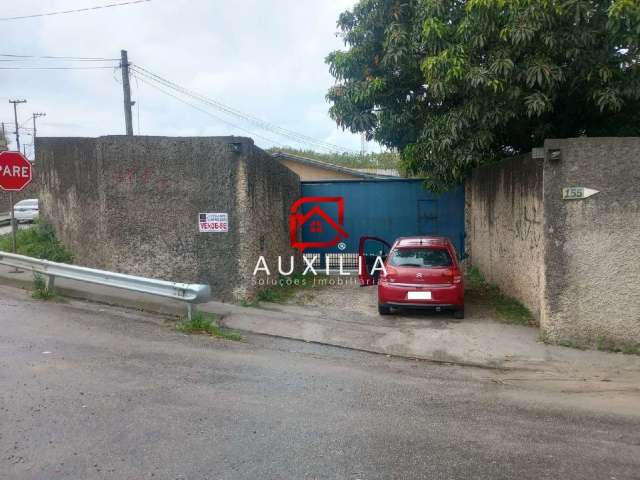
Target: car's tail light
<point>457,276</point>
<point>390,275</point>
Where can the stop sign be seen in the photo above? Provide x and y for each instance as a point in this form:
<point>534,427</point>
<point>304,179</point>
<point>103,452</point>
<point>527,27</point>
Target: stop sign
<point>15,171</point>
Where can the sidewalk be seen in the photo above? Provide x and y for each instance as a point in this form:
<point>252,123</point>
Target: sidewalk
<point>476,342</point>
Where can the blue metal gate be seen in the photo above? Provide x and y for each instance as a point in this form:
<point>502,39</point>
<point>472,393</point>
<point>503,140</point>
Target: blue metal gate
<point>387,209</point>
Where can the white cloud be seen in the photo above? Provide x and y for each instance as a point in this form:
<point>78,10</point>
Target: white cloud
<point>265,58</point>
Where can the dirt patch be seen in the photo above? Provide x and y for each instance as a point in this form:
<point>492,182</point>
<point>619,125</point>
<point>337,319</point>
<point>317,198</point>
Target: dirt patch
<point>351,297</point>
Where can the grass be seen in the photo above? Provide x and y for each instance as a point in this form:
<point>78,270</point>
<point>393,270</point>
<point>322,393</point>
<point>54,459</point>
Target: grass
<point>206,324</point>
<point>39,242</point>
<point>507,309</point>
<point>570,344</point>
<point>608,346</point>
<point>40,289</point>
<point>286,288</point>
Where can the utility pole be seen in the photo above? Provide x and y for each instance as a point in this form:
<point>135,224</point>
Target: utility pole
<point>15,116</point>
<point>126,88</point>
<point>12,215</point>
<point>36,115</point>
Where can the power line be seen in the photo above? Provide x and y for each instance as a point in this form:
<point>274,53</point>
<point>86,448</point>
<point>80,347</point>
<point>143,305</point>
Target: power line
<point>98,7</point>
<point>27,58</point>
<point>148,82</point>
<point>295,136</point>
<point>298,137</point>
<point>59,68</point>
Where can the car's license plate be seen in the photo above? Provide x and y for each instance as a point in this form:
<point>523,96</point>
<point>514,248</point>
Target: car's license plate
<point>418,295</point>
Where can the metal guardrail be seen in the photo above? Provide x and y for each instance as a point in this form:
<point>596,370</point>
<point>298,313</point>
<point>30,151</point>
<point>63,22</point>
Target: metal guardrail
<point>189,293</point>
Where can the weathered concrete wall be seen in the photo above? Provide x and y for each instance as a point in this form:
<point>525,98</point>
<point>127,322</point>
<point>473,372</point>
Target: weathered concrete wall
<point>131,204</point>
<point>266,223</point>
<point>592,246</point>
<point>504,227</point>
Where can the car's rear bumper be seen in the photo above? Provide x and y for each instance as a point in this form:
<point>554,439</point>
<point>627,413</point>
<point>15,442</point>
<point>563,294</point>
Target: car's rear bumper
<point>424,306</point>
<point>442,296</point>
<point>25,216</point>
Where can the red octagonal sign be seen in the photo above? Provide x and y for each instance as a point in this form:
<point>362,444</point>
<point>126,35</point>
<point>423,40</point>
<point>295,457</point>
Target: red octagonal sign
<point>15,171</point>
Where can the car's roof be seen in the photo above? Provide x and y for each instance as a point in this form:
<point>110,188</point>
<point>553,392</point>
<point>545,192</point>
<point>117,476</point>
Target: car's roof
<point>423,241</point>
<point>28,200</point>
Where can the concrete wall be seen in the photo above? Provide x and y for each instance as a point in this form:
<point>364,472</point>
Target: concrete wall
<point>592,246</point>
<point>504,227</point>
<point>131,204</point>
<point>574,263</point>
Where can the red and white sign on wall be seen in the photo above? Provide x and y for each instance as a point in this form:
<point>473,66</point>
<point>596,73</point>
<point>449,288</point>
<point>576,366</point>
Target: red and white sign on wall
<point>15,171</point>
<point>213,222</point>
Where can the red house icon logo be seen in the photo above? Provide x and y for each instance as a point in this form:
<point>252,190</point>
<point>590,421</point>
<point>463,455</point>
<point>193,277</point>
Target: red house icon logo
<point>318,221</point>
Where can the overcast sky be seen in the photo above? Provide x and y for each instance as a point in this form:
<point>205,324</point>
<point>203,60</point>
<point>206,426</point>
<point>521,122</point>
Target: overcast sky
<point>261,57</point>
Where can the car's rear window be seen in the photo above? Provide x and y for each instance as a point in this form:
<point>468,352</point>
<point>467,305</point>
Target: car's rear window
<point>420,257</point>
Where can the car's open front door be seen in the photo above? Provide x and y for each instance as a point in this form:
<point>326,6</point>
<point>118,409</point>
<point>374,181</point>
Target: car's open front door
<point>372,251</point>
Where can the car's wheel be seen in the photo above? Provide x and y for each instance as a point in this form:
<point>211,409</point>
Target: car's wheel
<point>459,314</point>
<point>384,310</point>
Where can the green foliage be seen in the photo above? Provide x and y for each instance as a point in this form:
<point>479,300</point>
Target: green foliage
<point>287,286</point>
<point>389,160</point>
<point>454,84</point>
<point>570,344</point>
<point>627,348</point>
<point>507,309</point>
<point>38,242</point>
<point>201,323</point>
<point>40,289</point>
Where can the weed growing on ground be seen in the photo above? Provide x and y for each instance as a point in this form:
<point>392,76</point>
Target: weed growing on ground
<point>206,323</point>
<point>601,344</point>
<point>40,289</point>
<point>627,348</point>
<point>570,344</point>
<point>38,242</point>
<point>508,309</point>
<point>287,286</point>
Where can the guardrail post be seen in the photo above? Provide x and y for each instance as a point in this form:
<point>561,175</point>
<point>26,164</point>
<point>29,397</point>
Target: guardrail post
<point>190,311</point>
<point>51,283</point>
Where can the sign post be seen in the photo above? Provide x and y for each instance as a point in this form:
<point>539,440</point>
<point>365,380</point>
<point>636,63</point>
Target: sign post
<point>15,175</point>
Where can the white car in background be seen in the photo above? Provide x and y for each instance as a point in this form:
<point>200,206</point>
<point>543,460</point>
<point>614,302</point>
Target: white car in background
<point>26,210</point>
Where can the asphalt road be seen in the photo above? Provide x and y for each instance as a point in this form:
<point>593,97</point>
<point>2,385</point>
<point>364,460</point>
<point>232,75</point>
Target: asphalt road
<point>91,392</point>
<point>6,229</point>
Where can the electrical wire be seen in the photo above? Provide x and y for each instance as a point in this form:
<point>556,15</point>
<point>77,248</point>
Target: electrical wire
<point>97,7</point>
<point>58,68</point>
<point>253,134</point>
<point>295,136</point>
<point>55,59</point>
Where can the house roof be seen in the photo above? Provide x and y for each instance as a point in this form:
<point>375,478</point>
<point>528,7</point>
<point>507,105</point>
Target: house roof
<point>361,173</point>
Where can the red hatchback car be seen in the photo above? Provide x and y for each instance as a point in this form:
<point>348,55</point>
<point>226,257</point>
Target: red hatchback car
<point>420,272</point>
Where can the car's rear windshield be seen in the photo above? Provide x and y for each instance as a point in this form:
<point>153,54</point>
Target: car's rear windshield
<point>420,257</point>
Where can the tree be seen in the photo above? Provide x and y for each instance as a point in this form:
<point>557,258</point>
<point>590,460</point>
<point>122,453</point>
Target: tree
<point>453,84</point>
<point>369,160</point>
